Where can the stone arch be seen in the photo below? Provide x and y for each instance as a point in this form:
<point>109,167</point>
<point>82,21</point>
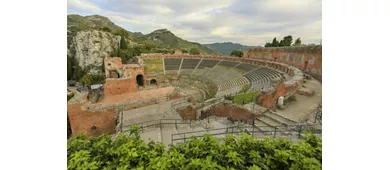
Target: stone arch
<point>153,82</point>
<point>140,80</point>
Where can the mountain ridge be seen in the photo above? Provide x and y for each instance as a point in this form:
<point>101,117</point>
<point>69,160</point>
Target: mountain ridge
<point>225,48</point>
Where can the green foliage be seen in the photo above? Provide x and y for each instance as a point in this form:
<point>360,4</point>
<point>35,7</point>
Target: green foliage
<point>244,98</point>
<point>286,42</point>
<point>245,152</point>
<point>275,43</point>
<point>268,44</point>
<point>74,71</point>
<point>297,42</point>
<point>69,129</point>
<point>194,51</point>
<point>123,43</point>
<point>184,51</point>
<point>237,53</point>
<point>89,79</point>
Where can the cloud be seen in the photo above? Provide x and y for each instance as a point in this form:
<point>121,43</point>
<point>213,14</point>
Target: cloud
<point>243,21</point>
<point>82,5</point>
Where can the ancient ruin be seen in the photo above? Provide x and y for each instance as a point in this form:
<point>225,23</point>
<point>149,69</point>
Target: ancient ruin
<point>183,92</point>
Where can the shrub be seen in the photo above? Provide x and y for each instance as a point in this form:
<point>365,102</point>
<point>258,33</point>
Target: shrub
<point>244,152</point>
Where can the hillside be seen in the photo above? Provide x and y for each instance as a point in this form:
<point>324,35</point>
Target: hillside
<point>227,47</point>
<point>91,39</point>
<point>164,38</point>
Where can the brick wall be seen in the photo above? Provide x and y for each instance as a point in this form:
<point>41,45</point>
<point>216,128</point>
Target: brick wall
<point>306,58</point>
<point>119,86</point>
<point>82,120</point>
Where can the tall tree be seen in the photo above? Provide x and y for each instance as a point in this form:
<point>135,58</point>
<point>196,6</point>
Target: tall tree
<point>298,42</point>
<point>286,42</point>
<point>275,43</point>
<point>123,44</point>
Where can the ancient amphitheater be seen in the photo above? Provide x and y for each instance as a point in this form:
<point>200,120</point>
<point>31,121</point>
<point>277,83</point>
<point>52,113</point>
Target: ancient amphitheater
<point>172,97</point>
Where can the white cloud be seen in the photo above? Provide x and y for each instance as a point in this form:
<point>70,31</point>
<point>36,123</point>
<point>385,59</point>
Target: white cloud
<point>116,18</point>
<point>83,5</point>
<point>204,21</point>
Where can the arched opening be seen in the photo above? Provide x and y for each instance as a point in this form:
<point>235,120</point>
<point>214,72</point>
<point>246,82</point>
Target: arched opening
<point>140,80</point>
<point>153,82</point>
<point>305,65</point>
<point>114,74</point>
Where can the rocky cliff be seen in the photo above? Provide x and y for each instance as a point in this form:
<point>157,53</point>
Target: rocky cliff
<point>90,48</point>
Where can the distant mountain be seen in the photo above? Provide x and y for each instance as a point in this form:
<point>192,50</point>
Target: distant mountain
<point>164,38</point>
<point>227,47</point>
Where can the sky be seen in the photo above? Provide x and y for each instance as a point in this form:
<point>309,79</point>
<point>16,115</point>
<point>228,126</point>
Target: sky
<point>248,22</point>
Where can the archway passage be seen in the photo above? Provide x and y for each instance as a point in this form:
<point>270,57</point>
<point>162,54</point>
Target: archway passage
<point>153,82</point>
<point>305,65</point>
<point>140,80</point>
<point>114,74</point>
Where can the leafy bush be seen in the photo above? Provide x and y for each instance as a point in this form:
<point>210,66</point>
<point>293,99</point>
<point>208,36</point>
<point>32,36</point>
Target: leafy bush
<point>194,51</point>
<point>89,79</point>
<point>245,152</point>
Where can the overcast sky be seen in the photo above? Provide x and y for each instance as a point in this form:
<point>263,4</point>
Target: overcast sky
<point>248,22</point>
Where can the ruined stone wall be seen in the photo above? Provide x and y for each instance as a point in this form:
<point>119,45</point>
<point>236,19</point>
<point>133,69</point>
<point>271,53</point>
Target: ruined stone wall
<point>119,86</point>
<point>82,120</point>
<point>231,111</point>
<point>268,99</point>
<point>133,72</point>
<point>113,64</point>
<point>306,58</point>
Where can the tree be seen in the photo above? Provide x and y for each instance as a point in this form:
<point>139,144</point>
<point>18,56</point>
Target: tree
<point>194,51</point>
<point>275,43</point>
<point>123,43</point>
<point>184,51</point>
<point>286,42</point>
<point>298,42</point>
<point>86,80</point>
<point>268,44</point>
<point>237,53</point>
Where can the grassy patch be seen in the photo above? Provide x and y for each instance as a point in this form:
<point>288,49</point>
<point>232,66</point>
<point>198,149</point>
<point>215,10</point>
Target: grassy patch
<point>153,65</point>
<point>153,61</point>
<point>244,98</point>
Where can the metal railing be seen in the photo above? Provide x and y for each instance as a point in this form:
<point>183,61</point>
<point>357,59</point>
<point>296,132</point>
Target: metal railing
<point>158,123</point>
<point>255,131</point>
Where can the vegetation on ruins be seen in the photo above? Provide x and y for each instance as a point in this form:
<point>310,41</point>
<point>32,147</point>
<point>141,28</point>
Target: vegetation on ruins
<point>237,53</point>
<point>244,152</point>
